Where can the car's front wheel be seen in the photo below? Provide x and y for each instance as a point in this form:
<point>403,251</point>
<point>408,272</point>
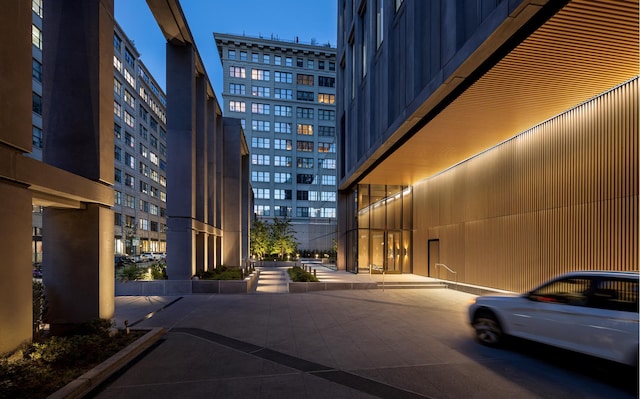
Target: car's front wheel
<point>488,330</point>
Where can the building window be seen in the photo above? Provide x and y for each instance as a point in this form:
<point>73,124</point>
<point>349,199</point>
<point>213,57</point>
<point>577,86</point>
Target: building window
<point>304,163</point>
<point>36,103</point>
<point>304,146</point>
<point>237,89</point>
<point>232,54</point>
<point>255,57</point>
<point>326,147</point>
<point>261,126</point>
<point>326,98</point>
<point>279,144</point>
<point>237,72</point>
<point>261,91</point>
<point>117,87</point>
<point>304,79</point>
<point>299,62</point>
<point>302,212</point>
<point>117,153</point>
<point>260,74</point>
<point>283,94</point>
<point>36,7</point>
<point>129,119</point>
<point>262,193</point>
<point>304,113</point>
<point>260,176</point>
<point>304,95</point>
<point>36,70</point>
<point>129,99</point>
<point>262,210</point>
<point>283,77</point>
<point>128,57</point>
<point>117,64</point>
<point>310,64</point>
<point>266,59</point>
<point>329,131</point>
<point>283,110</point>
<point>129,181</point>
<point>304,178</point>
<point>332,66</point>
<point>277,60</point>
<point>302,195</point>
<point>288,61</point>
<point>320,64</point>
<point>153,141</point>
<point>280,160</point>
<point>243,56</point>
<point>282,127</point>
<point>326,81</point>
<point>279,210</point>
<point>259,108</point>
<point>306,130</point>
<point>328,163</point>
<point>36,37</point>
<point>282,194</point>
<point>117,109</point>
<point>281,177</point>
<point>144,133</point>
<point>117,197</point>
<point>153,124</point>
<point>326,115</point>
<point>36,137</point>
<point>117,131</point>
<point>237,106</point>
<point>129,78</point>
<point>117,176</point>
<point>260,159</point>
<point>260,142</point>
<point>328,180</point>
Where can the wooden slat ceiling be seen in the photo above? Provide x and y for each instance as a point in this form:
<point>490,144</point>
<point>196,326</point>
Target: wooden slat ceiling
<point>588,47</point>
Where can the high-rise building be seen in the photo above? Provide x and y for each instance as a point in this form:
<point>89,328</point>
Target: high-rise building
<point>140,147</point>
<point>284,94</point>
<point>494,143</point>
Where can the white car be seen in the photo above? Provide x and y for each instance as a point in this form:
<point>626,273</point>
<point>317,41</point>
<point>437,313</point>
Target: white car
<point>591,312</point>
<point>150,256</point>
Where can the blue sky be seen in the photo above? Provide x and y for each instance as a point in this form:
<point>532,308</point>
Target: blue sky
<point>285,19</point>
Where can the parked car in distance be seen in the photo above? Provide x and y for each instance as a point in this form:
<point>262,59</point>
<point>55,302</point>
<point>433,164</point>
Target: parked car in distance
<point>150,256</point>
<point>122,259</point>
<point>591,312</point>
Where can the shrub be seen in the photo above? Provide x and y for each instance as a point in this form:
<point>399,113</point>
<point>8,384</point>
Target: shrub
<point>221,273</point>
<point>39,308</point>
<point>298,275</point>
<point>158,271</point>
<point>130,273</point>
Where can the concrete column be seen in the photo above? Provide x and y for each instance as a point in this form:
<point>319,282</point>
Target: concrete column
<point>181,143</point>
<point>15,199</point>
<point>344,202</point>
<point>202,147</point>
<point>78,123</point>
<point>201,251</point>
<point>211,144</point>
<point>232,196</point>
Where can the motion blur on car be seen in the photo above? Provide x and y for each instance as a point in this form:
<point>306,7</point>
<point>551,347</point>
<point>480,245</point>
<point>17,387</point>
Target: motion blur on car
<point>591,312</point>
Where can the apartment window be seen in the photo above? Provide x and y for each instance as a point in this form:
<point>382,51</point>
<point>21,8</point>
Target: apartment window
<point>304,163</point>
<point>282,127</point>
<point>259,74</point>
<point>302,195</point>
<point>306,130</point>
<point>260,142</point>
<point>117,197</point>
<point>36,137</point>
<point>304,79</point>
<point>320,64</point>
<point>280,160</point>
<point>283,77</point>
<point>129,78</point>
<point>282,194</point>
<point>153,124</point>
<point>302,212</point>
<point>254,57</point>
<point>36,104</point>
<point>128,57</point>
<point>144,169</point>
<point>153,158</point>
<point>304,146</point>
<point>231,54</point>
<point>237,106</point>
<point>117,176</point>
<point>260,176</point>
<point>332,66</point>
<point>282,110</point>
<point>144,133</point>
<point>144,114</point>
<point>288,61</point>
<point>329,131</point>
<point>279,210</point>
<point>304,95</point>
<point>36,6</point>
<point>262,193</point>
<point>117,109</point>
<point>280,144</point>
<point>163,149</point>
<point>328,180</point>
<point>281,177</point>
<point>261,91</point>
<point>117,87</point>
<point>128,98</point>
<point>328,163</point>
<point>143,206</point>
<point>304,178</point>
<point>277,60</point>
<point>310,64</point>
<point>259,108</point>
<point>326,147</point>
<point>154,209</point>
<point>326,81</point>
<point>36,37</point>
<point>326,98</point>
<point>283,94</point>
<point>262,210</point>
<point>144,187</point>
<point>117,131</point>
<point>117,153</point>
<point>237,72</point>
<point>328,196</point>
<point>129,140</point>
<point>299,62</point>
<point>129,181</point>
<point>326,115</point>
<point>243,56</point>
<point>129,119</point>
<point>266,59</point>
<point>117,64</point>
<point>237,89</point>
<point>261,126</point>
<point>154,175</point>
<point>260,159</point>
<point>305,113</point>
<point>153,141</point>
<point>36,70</point>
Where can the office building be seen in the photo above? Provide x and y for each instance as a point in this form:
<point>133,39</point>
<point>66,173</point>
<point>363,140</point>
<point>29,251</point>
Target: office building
<point>491,143</point>
<point>284,94</point>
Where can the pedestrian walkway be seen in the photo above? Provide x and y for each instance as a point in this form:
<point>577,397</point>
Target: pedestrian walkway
<point>272,280</point>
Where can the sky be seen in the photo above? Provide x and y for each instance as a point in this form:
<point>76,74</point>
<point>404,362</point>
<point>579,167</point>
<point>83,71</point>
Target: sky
<point>284,19</point>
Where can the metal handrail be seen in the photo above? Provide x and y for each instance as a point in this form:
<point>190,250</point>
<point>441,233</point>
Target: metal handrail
<point>449,269</point>
<point>377,268</point>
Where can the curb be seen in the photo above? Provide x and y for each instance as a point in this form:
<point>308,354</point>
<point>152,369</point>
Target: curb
<point>94,377</point>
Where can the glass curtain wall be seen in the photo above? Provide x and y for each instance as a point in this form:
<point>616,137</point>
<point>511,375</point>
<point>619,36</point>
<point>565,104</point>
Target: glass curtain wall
<point>380,234</point>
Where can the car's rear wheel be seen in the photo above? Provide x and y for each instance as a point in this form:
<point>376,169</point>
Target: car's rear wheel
<point>488,330</point>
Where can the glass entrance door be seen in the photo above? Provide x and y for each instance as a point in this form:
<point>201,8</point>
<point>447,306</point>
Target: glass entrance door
<point>386,250</point>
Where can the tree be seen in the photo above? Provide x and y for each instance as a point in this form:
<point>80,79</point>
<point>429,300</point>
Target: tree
<point>283,237</point>
<point>260,239</point>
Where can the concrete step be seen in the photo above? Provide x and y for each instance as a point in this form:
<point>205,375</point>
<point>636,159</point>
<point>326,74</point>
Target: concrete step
<point>411,285</point>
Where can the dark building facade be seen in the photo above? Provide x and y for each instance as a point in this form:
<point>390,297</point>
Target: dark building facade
<point>490,142</point>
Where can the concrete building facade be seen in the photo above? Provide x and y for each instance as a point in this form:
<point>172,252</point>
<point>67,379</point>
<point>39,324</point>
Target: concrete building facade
<point>494,143</point>
<point>284,94</point>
